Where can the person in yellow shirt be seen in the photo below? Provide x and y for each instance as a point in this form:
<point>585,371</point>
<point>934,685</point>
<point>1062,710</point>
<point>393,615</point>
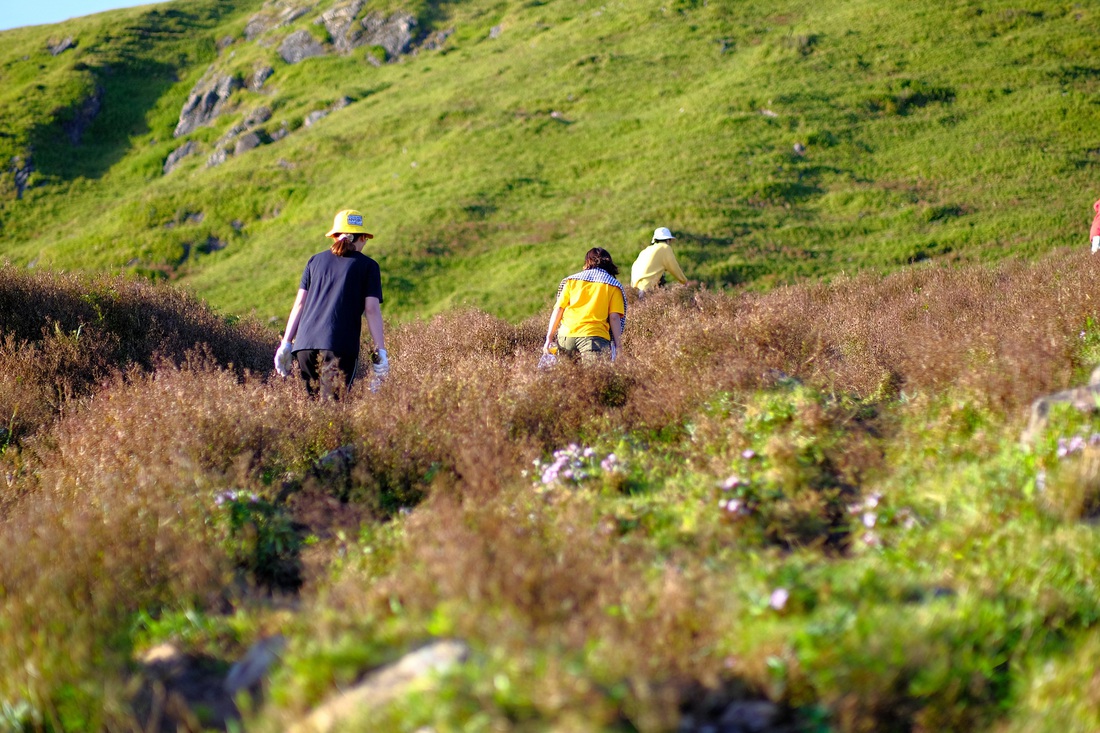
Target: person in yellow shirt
<point>654,262</point>
<point>590,311</point>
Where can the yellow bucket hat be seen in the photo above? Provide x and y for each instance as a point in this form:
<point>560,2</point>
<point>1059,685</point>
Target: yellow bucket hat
<point>348,221</point>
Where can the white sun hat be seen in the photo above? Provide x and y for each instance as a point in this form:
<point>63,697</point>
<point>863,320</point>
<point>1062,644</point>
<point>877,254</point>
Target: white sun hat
<point>661,233</point>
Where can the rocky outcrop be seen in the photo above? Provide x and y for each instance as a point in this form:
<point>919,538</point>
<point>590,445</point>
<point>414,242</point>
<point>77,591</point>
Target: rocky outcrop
<point>250,140</point>
<point>340,23</point>
<point>395,34</point>
<point>435,40</point>
<point>299,46</point>
<point>275,14</point>
<point>259,78</point>
<point>207,100</point>
<point>82,115</point>
<point>219,156</point>
<point>244,136</point>
<point>61,46</point>
<point>319,114</point>
<point>179,154</point>
<point>21,169</point>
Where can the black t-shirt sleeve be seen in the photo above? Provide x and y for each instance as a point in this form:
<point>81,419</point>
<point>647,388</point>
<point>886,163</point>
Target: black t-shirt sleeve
<point>372,281</point>
<point>303,284</point>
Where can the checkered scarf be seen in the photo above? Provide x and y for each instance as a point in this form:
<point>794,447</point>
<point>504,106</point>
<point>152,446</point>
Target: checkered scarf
<point>596,275</point>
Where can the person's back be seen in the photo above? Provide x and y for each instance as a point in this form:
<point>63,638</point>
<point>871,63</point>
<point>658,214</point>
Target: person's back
<point>654,262</point>
<point>331,318</point>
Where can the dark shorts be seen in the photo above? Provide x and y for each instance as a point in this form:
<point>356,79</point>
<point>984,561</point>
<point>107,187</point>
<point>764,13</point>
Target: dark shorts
<point>326,373</point>
<point>587,348</point>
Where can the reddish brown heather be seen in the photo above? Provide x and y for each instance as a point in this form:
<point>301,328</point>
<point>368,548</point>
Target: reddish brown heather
<point>62,334</point>
<point>103,510</point>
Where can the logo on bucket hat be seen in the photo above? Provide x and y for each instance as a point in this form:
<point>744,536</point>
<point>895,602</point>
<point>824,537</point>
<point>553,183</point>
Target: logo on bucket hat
<point>348,221</point>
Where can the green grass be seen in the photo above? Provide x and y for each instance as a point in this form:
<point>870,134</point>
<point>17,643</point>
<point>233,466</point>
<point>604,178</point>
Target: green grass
<point>957,132</point>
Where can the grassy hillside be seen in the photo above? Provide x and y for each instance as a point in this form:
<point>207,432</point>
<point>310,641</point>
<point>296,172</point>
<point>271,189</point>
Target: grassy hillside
<point>958,131</point>
<point>810,503</point>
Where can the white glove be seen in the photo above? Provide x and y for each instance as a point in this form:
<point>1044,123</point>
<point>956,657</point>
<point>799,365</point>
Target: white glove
<point>381,363</point>
<point>283,358</point>
<point>380,366</point>
<point>1095,243</point>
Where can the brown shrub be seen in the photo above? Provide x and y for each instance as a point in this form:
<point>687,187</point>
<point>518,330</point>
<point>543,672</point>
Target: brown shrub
<point>61,335</point>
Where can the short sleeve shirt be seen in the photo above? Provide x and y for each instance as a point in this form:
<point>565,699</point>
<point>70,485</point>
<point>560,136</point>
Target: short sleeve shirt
<point>338,288</point>
<point>586,307</point>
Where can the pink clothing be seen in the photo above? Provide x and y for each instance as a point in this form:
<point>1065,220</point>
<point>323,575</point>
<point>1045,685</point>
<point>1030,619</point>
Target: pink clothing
<point>1095,230</point>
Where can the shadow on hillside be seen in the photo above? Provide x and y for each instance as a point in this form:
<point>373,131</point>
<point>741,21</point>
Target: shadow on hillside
<point>131,75</point>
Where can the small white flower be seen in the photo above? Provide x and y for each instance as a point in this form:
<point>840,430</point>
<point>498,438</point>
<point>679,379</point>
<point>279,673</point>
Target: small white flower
<point>779,598</point>
<point>869,519</point>
<point>748,454</point>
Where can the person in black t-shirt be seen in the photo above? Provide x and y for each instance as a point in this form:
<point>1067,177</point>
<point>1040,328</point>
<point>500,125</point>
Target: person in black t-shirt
<point>322,333</point>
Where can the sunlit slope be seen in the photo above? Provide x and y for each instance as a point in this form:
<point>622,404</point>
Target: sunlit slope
<point>489,165</point>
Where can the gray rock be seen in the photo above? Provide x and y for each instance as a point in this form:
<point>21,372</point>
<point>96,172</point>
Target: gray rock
<point>247,142</point>
<point>259,78</point>
<point>206,101</point>
<point>257,25</point>
<point>750,716</point>
<point>1084,399</point>
<point>339,21</point>
<point>275,14</point>
<point>257,116</point>
<point>495,31</point>
<point>299,46</point>
<point>83,114</point>
<point>314,117</point>
<point>394,34</point>
<point>21,168</point>
<point>61,46</point>
<point>338,460</point>
<point>224,42</point>
<point>279,134</point>
<point>341,103</point>
<point>248,673</point>
<point>179,154</point>
<point>384,685</point>
<point>436,39</point>
<point>218,157</point>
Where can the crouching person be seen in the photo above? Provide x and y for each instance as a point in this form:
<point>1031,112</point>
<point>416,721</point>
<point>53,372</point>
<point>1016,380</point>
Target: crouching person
<point>590,311</point>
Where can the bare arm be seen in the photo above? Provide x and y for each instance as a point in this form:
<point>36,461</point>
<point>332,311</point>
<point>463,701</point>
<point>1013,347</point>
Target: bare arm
<point>616,322</point>
<point>555,321</point>
<point>373,312</point>
<point>295,317</point>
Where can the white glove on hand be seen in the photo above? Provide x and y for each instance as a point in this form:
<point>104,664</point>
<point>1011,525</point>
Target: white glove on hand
<point>380,363</point>
<point>380,368</point>
<point>283,358</point>
<point>1095,243</point>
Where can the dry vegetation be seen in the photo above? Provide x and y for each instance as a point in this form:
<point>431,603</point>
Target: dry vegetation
<point>130,408</point>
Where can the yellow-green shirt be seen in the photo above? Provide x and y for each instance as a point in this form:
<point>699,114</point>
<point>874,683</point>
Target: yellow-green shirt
<point>586,308</point>
<point>654,261</point>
